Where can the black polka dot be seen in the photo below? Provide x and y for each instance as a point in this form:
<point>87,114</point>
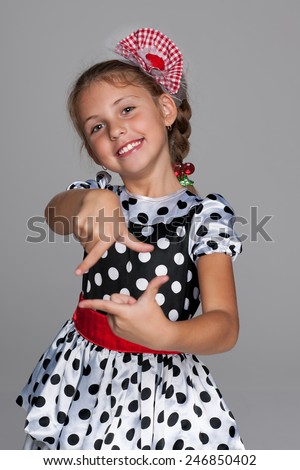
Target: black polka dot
<point>176,371</point>
<point>202,231</point>
<point>61,417</point>
<point>69,390</point>
<point>215,423</point>
<point>212,196</point>
<point>55,379</point>
<point>46,363</point>
<point>104,417</point>
<point>222,447</point>
<point>162,211</point>
<point>67,354</point>
<point>89,430</point>
<point>44,421</point>
<point>125,384</point>
<point>160,444</point>
<point>181,204</point>
<point>205,397</point>
<point>76,364</point>
<point>39,402</point>
<point>130,434</point>
<point>228,210</point>
<point>185,425</point>
<point>77,395</point>
<point>161,417</point>
<point>93,389</point>
<point>134,378</point>
<point>178,445</point>
<point>197,410</point>
<point>19,400</point>
<point>86,370</point>
<point>143,218</point>
<point>170,391</point>
<point>45,378</point>
<point>84,414</point>
<point>125,205</point>
<point>133,406</point>
<point>145,423</point>
<point>98,444</point>
<point>212,244</point>
<point>180,397</point>
<point>73,439</point>
<point>146,393</point>
<point>173,418</point>
<point>203,438</point>
<point>215,216</point>
<point>49,440</point>
<point>132,201</point>
<point>109,438</point>
<point>232,431</point>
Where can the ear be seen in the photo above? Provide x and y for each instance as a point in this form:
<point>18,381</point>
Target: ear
<point>168,108</point>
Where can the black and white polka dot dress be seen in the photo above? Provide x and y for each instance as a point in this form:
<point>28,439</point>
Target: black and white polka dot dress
<point>83,396</point>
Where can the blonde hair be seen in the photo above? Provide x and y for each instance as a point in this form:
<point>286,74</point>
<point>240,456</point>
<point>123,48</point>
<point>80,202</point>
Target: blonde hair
<point>120,74</point>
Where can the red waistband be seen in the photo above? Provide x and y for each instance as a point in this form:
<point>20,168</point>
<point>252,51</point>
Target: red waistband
<point>94,327</point>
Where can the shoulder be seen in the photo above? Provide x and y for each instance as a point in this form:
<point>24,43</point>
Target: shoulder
<point>101,181</point>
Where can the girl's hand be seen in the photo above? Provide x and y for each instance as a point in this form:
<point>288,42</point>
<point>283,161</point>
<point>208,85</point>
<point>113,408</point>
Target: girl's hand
<point>99,224</point>
<point>140,321</point>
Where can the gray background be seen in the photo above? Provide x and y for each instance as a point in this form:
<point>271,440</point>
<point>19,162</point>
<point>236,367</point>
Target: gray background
<point>242,60</point>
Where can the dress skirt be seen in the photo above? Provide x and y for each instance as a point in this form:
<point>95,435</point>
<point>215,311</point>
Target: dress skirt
<point>83,396</point>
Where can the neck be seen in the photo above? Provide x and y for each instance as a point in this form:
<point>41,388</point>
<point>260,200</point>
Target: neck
<point>159,183</point>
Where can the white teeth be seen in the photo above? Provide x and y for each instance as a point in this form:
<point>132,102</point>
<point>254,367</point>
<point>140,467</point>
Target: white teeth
<point>129,147</point>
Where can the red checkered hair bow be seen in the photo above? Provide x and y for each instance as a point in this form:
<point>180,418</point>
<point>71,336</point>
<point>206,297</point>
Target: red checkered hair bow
<point>156,54</point>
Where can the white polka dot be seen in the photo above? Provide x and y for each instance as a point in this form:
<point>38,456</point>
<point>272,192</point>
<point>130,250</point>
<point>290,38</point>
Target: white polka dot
<point>98,279</point>
<point>189,276</point>
<point>104,254</point>
<point>144,257</point>
<point>124,291</point>
<point>161,270</point>
<point>186,304</point>
<point>180,231</point>
<point>147,231</point>
<point>196,293</point>
<point>129,266</point>
<point>142,283</point>
<point>173,315</point>
<point>176,287</point>
<point>160,298</point>
<point>106,297</point>
<point>179,258</point>
<point>120,247</point>
<point>88,286</point>
<point>163,243</point>
<point>113,273</point>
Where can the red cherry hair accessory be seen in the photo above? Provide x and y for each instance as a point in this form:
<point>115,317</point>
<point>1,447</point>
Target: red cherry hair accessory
<point>182,171</point>
<point>156,54</point>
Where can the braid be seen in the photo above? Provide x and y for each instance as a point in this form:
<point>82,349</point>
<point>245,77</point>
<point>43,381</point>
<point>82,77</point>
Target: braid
<point>179,135</point>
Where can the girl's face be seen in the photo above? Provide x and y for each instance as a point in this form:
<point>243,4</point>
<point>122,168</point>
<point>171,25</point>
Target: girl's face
<point>125,130</point>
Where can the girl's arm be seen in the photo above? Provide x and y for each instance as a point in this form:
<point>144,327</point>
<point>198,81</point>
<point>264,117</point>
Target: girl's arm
<point>142,321</point>
<point>217,329</point>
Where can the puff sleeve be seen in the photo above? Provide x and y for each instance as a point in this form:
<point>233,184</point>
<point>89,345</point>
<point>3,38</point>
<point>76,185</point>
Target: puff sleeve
<point>212,228</point>
<point>101,181</point>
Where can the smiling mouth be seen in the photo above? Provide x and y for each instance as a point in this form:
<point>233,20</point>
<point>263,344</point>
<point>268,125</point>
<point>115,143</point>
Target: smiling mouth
<point>129,148</point>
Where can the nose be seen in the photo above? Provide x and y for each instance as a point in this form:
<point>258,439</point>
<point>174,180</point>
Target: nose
<point>116,129</point>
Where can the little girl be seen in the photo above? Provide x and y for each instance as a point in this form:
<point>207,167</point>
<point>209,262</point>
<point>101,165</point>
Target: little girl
<point>124,373</point>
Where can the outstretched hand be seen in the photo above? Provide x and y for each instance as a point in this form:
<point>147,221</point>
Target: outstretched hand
<point>100,223</point>
<point>140,321</point>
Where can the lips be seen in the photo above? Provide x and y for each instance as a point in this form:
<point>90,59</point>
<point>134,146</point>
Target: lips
<point>129,147</point>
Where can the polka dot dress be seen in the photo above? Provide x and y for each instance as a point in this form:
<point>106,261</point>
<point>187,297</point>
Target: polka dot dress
<point>83,396</point>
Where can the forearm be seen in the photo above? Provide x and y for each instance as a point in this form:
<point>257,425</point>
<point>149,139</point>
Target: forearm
<point>62,209</point>
<point>210,333</point>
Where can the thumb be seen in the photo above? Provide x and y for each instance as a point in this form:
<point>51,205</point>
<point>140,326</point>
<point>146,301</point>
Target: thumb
<point>153,287</point>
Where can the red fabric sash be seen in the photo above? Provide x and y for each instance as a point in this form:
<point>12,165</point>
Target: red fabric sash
<point>94,327</point>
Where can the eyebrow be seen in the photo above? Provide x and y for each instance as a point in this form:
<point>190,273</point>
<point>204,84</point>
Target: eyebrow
<point>96,116</point>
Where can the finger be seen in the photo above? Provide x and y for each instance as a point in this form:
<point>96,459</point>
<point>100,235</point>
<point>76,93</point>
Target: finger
<point>134,244</point>
<point>106,306</point>
<point>94,255</point>
<point>122,299</point>
<point>154,286</point>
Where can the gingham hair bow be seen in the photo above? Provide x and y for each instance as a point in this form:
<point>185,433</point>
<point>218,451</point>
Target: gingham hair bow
<point>156,54</point>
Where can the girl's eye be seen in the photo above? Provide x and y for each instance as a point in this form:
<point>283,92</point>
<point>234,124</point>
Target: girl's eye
<point>97,128</point>
<point>127,109</point>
